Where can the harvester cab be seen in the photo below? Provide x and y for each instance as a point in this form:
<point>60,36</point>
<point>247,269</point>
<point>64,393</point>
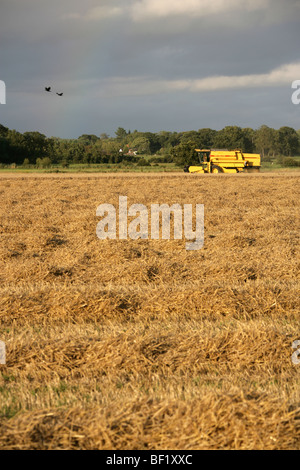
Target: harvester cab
<point>202,156</point>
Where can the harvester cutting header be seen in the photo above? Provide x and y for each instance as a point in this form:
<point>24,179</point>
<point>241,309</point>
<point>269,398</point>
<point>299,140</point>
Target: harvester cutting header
<point>224,161</point>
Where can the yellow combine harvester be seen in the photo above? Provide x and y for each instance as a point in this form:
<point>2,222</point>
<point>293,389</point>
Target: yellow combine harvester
<point>224,161</point>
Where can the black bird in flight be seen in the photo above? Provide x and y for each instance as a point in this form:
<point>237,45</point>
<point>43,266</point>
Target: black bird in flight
<point>59,94</point>
<point>48,88</point>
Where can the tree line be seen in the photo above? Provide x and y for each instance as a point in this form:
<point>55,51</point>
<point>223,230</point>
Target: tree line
<point>34,148</point>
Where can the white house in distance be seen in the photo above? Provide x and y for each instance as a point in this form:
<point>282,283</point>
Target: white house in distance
<point>129,151</point>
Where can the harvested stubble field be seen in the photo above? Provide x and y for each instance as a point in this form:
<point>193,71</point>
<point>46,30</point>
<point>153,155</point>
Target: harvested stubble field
<point>141,344</point>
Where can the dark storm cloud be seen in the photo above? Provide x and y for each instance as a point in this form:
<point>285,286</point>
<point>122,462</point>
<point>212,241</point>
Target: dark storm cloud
<point>148,64</point>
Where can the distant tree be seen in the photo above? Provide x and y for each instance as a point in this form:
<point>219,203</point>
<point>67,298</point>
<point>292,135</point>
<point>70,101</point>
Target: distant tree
<point>64,163</point>
<point>166,138</point>
<point>290,161</point>
<point>191,136</point>
<point>35,145</point>
<point>104,136</point>
<point>15,150</point>
<point>249,135</point>
<point>230,138</point>
<point>88,139</point>
<point>43,162</point>
<point>143,162</point>
<point>110,147</point>
<point>4,151</point>
<point>184,154</point>
<point>288,141</point>
<point>141,144</point>
<point>206,137</point>
<point>120,133</point>
<point>154,143</point>
<point>3,131</point>
<point>46,162</point>
<point>266,141</point>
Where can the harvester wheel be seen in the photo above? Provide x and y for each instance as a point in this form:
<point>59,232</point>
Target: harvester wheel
<point>216,169</point>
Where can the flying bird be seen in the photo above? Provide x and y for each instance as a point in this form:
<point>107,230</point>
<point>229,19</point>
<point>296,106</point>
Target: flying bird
<point>59,94</point>
<point>48,88</point>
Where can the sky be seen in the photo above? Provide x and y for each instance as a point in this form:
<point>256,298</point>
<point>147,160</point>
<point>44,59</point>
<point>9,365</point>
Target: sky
<point>148,65</point>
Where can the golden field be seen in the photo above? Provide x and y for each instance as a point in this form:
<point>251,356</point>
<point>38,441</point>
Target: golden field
<point>141,344</point>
